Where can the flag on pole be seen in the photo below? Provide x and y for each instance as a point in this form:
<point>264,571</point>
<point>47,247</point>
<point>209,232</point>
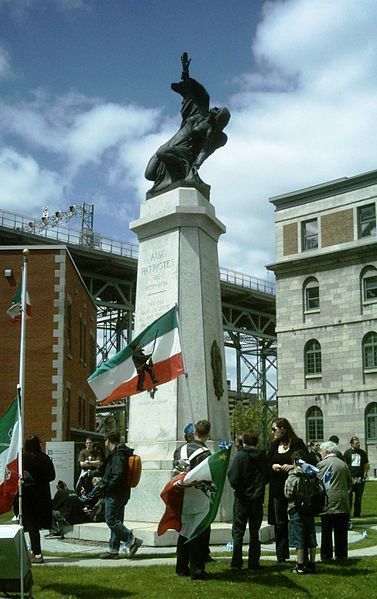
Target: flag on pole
<point>192,499</point>
<point>14,310</point>
<point>152,358</point>
<point>9,425</point>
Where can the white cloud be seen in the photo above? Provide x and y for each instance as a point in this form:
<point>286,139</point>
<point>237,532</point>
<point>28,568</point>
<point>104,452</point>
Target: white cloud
<point>24,185</point>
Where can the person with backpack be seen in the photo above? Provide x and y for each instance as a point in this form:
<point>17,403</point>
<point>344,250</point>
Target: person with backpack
<point>117,492</point>
<point>337,481</point>
<point>279,457</point>
<point>303,491</point>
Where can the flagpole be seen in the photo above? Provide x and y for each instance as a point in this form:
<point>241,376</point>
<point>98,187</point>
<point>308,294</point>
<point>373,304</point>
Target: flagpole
<point>21,410</point>
<point>184,366</point>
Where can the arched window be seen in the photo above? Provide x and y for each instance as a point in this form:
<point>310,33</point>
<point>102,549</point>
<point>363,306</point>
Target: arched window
<point>369,285</point>
<point>314,424</point>
<point>312,353</point>
<point>370,351</point>
<point>371,422</point>
<point>311,295</point>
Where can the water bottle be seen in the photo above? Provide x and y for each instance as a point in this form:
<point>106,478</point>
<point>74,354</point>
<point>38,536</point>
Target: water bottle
<point>229,546</point>
<point>123,548</point>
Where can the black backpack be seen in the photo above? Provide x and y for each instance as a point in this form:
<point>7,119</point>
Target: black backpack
<point>310,496</point>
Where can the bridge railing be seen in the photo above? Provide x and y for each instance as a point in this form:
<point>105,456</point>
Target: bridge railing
<point>96,241</point>
<point>243,280</point>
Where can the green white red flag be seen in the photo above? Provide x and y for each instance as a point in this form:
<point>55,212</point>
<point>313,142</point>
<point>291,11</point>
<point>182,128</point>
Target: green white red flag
<point>14,310</point>
<point>119,377</point>
<point>192,499</point>
<point>9,429</point>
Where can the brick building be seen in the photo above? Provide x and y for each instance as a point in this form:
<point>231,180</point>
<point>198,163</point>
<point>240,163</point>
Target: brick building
<point>60,344</point>
<point>326,304</point>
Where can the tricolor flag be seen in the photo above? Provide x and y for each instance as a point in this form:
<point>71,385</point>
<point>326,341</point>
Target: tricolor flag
<point>152,358</point>
<point>192,499</point>
<point>9,425</point>
<point>14,310</point>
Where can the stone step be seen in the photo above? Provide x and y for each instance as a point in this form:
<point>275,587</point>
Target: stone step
<point>221,533</point>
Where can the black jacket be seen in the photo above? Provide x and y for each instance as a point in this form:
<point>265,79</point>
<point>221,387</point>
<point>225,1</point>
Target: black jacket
<point>114,479</point>
<point>248,474</point>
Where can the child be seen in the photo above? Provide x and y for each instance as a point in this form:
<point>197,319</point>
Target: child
<point>301,526</point>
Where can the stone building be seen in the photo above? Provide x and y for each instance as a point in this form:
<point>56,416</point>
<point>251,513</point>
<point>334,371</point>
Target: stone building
<point>60,344</point>
<point>326,304</point>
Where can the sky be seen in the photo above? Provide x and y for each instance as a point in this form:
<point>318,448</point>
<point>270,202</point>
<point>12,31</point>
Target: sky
<point>85,100</point>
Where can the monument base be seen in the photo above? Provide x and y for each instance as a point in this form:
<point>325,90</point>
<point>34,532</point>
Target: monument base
<point>178,264</point>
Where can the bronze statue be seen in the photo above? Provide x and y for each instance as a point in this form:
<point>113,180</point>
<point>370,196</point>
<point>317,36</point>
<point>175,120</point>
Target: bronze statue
<point>176,162</point>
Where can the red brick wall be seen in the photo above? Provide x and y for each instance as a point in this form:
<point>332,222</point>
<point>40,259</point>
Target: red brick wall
<point>39,388</point>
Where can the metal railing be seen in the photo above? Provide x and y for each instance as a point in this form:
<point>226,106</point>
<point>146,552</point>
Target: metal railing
<point>96,241</point>
<point>63,234</point>
<point>243,280</point>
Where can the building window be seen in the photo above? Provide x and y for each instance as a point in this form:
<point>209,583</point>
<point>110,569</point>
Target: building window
<point>370,351</point>
<point>69,328</point>
<point>313,358</point>
<point>68,414</point>
<point>369,285</point>
<point>310,234</point>
<point>80,412</point>
<point>366,220</point>
<point>371,422</point>
<point>311,295</point>
<point>314,424</point>
<point>93,353</point>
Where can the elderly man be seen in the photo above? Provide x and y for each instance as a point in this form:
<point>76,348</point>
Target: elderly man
<point>336,478</point>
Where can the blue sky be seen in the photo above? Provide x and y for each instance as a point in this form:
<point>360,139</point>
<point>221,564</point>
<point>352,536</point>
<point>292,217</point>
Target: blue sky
<point>85,100</point>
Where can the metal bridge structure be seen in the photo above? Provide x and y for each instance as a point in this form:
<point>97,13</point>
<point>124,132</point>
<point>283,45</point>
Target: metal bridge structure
<point>109,269</point>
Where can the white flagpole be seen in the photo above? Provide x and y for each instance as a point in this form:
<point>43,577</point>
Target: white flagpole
<point>21,405</point>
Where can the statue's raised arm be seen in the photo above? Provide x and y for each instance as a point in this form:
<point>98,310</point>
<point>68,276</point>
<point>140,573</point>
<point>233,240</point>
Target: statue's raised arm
<point>175,164</point>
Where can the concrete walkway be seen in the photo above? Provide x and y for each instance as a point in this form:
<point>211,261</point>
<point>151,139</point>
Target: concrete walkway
<point>155,556</point>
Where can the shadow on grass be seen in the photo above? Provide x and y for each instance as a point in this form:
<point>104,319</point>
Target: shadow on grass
<point>73,591</point>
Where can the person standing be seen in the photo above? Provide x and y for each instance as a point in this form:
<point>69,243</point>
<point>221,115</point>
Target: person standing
<point>180,457</point>
<point>279,457</point>
<point>248,476</point>
<point>337,481</point>
<point>301,525</point>
<point>90,462</point>
<point>192,555</point>
<point>357,461</point>
<point>39,471</point>
<point>117,494</point>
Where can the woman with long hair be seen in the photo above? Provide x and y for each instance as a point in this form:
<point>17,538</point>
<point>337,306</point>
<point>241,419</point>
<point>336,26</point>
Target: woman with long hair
<point>284,444</point>
<point>39,471</point>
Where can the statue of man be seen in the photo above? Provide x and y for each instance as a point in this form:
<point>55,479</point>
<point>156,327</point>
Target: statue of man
<point>201,132</point>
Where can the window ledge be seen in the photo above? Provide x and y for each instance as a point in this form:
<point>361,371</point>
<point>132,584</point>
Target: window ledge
<point>315,376</point>
<point>313,311</point>
<point>370,302</point>
<point>370,370</point>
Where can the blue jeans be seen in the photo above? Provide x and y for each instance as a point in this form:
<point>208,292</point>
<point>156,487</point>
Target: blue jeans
<point>114,516</point>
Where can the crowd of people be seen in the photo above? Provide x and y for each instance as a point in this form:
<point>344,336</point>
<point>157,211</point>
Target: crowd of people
<point>288,462</point>
<point>287,467</point>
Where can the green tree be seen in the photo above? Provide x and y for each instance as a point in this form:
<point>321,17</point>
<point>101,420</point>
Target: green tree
<point>257,415</point>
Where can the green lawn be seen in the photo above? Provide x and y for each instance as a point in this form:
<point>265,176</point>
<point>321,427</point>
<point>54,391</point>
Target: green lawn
<point>341,581</point>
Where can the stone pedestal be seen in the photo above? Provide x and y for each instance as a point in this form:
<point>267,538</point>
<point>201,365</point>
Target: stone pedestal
<point>178,263</point>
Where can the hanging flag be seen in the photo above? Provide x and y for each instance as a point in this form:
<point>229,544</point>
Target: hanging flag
<point>152,358</point>
<point>14,310</point>
<point>192,498</point>
<point>9,425</point>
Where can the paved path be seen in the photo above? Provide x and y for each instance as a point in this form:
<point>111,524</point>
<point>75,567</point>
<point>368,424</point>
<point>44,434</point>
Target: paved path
<point>63,554</point>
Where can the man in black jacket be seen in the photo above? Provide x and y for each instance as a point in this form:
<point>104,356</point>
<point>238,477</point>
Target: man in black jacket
<point>248,476</point>
<point>358,463</point>
<point>117,494</point>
